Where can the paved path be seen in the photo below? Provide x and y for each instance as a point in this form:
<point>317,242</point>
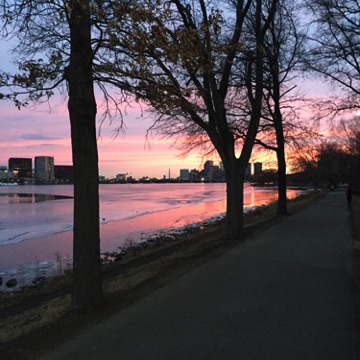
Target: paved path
<point>283,294</point>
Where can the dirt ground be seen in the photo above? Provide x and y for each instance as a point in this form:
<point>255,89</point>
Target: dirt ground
<point>35,321</point>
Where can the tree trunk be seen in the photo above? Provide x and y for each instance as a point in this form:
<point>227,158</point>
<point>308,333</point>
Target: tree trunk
<point>234,202</point>
<point>87,286</point>
<point>235,168</point>
<point>282,198</point>
<point>280,151</point>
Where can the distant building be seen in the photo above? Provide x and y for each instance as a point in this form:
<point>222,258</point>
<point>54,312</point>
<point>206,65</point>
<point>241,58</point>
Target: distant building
<point>44,168</point>
<point>217,174</point>
<point>213,172</point>
<point>121,177</point>
<point>64,173</point>
<point>21,167</point>
<point>208,166</point>
<point>257,168</point>
<point>208,170</point>
<point>5,174</point>
<point>184,174</point>
<point>194,175</point>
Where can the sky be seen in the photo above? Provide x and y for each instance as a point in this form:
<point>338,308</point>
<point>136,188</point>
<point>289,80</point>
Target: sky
<point>42,131</point>
<point>45,131</point>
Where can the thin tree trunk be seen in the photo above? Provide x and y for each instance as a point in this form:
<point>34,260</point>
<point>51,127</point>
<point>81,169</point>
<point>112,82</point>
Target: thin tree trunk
<point>280,151</point>
<point>234,202</point>
<point>87,287</point>
<point>282,198</point>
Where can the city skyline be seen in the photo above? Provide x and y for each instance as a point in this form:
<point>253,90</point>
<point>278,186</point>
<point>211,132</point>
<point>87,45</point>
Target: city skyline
<point>45,129</point>
<point>42,168</point>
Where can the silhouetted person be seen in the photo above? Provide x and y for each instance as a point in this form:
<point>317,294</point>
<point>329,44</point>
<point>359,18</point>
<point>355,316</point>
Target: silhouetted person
<point>349,195</point>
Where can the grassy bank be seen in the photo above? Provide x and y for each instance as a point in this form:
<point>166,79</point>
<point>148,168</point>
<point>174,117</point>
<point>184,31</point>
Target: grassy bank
<point>43,316</point>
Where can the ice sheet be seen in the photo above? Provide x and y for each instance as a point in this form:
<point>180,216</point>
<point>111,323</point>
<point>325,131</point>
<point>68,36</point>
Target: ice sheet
<point>25,216</point>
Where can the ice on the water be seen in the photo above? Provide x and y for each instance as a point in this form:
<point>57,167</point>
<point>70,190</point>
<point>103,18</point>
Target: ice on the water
<point>21,221</point>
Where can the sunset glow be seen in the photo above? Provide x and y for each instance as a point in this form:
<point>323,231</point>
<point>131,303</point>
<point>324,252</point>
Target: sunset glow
<point>45,131</point>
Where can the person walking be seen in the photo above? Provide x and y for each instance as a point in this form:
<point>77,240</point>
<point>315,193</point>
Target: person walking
<point>348,195</point>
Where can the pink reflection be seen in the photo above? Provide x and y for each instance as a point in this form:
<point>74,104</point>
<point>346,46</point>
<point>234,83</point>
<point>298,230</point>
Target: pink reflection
<point>116,233</point>
<point>262,197</point>
<point>37,250</point>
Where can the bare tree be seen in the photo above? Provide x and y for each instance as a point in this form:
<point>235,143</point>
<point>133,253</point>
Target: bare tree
<point>305,169</point>
<point>334,51</point>
<point>350,132</point>
<point>181,59</point>
<point>283,45</point>
<point>349,136</point>
<point>280,124</point>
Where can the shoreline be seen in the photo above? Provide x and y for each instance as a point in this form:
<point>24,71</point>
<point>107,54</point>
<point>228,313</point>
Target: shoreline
<point>36,259</point>
<point>113,234</point>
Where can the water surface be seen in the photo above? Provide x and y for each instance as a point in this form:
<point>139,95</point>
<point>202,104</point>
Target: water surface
<point>36,221</point>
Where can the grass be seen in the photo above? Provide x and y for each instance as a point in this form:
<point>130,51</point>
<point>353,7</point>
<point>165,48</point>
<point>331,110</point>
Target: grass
<point>28,321</point>
<point>125,282</point>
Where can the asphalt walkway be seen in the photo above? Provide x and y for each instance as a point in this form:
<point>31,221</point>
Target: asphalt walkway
<point>283,294</point>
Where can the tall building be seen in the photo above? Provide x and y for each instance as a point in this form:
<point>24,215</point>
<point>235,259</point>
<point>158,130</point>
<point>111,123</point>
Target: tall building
<point>208,166</point>
<point>44,168</point>
<point>194,175</point>
<point>21,167</point>
<point>184,174</point>
<point>257,168</point>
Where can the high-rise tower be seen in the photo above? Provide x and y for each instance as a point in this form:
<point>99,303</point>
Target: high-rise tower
<point>44,168</point>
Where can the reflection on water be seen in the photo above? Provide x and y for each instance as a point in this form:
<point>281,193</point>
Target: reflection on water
<point>19,198</point>
<point>261,196</point>
<point>35,232</point>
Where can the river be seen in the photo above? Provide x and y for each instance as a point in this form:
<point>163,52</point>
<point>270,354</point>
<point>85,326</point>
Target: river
<point>36,220</point>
